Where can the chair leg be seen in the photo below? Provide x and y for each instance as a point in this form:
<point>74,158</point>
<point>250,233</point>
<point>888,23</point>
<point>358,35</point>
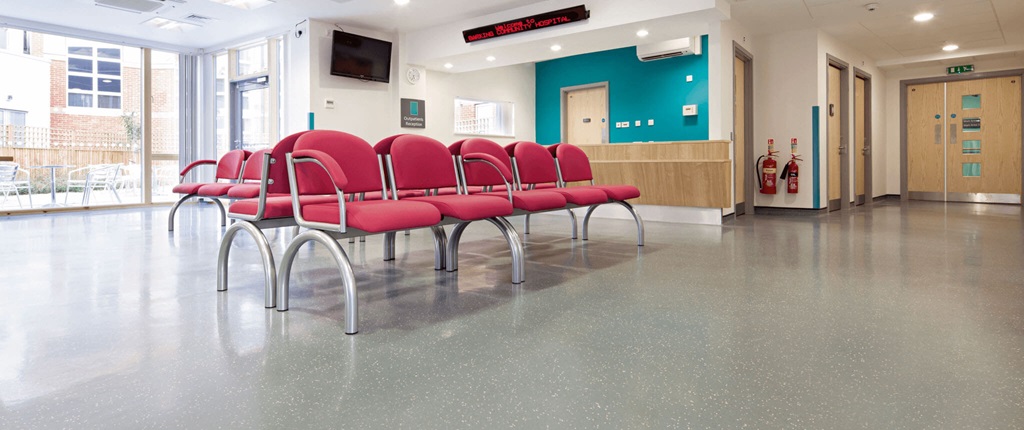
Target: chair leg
<point>266,254</point>
<point>223,213</point>
<point>348,278</point>
<point>632,211</point>
<point>515,244</point>
<point>170,217</point>
<point>440,247</point>
<point>451,253</point>
<point>572,218</point>
<point>389,246</point>
<point>526,225</point>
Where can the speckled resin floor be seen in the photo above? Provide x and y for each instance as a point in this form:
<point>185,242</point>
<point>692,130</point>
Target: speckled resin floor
<point>901,316</point>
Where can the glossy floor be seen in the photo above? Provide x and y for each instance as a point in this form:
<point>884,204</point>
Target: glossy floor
<point>902,316</point>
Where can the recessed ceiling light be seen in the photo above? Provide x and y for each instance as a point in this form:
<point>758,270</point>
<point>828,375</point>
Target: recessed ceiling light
<point>401,2</point>
<point>448,65</point>
<point>245,4</point>
<point>491,58</point>
<point>924,16</point>
<point>642,33</point>
<point>556,48</point>
<point>950,47</point>
<point>167,24</point>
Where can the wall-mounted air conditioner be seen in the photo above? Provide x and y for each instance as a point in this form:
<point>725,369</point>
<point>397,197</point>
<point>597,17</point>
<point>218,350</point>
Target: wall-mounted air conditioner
<point>669,49</point>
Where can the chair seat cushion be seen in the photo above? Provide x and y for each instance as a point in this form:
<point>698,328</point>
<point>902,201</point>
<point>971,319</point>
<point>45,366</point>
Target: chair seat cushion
<point>619,192</point>
<point>277,206</point>
<point>215,190</point>
<point>532,200</point>
<point>188,187</point>
<point>581,196</point>
<point>244,191</point>
<point>376,216</point>
<point>468,207</point>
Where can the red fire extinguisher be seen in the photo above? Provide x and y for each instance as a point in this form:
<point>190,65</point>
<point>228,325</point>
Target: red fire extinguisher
<point>791,172</point>
<point>766,170</point>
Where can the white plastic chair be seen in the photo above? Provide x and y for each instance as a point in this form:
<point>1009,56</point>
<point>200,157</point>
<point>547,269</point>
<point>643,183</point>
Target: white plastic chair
<point>93,177</point>
<point>10,182</point>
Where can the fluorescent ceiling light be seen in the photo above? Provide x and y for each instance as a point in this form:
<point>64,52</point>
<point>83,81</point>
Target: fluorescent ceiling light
<point>950,47</point>
<point>556,48</point>
<point>245,4</point>
<point>642,33</point>
<point>401,2</point>
<point>491,58</point>
<point>167,24</point>
<point>924,16</point>
<point>448,65</point>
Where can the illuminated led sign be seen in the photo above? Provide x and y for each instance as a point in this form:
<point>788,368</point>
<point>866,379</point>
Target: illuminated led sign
<point>515,26</point>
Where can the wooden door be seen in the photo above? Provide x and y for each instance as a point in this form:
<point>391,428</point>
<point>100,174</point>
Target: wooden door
<point>835,112</point>
<point>925,141</point>
<point>860,150</point>
<point>983,138</point>
<point>740,130</point>
<point>586,116</point>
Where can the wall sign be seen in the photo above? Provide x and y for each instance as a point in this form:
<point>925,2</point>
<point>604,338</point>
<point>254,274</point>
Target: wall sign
<point>956,70</point>
<point>414,113</point>
<point>543,20</point>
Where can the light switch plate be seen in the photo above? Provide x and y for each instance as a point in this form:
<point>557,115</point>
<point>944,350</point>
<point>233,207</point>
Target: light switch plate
<point>689,78</point>
<point>689,110</point>
<point>328,104</point>
<point>637,123</point>
<point>650,122</point>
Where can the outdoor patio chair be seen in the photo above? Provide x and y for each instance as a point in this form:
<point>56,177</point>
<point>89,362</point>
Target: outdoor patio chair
<point>91,178</point>
<point>11,181</point>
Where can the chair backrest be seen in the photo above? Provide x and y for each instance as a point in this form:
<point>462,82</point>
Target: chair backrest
<point>573,162</point>
<point>8,171</point>
<point>253,170</point>
<point>418,162</point>
<point>277,174</point>
<point>354,155</point>
<point>535,163</point>
<point>479,174</point>
<point>103,174</point>
<point>230,165</point>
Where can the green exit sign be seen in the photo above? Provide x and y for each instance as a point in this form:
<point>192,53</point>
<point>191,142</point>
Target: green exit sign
<point>956,70</point>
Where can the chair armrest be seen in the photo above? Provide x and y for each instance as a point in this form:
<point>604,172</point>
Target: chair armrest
<point>492,160</point>
<point>325,161</point>
<point>195,164</point>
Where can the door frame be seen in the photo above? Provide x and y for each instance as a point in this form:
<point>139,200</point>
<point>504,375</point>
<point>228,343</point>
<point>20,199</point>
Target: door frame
<point>904,192</point>
<point>844,132</point>
<point>748,127</point>
<point>868,141</point>
<point>235,111</point>
<point>564,111</point>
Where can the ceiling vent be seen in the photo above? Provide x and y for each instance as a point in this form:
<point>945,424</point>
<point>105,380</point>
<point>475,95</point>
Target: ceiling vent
<point>134,6</point>
<point>669,49</point>
<point>198,19</point>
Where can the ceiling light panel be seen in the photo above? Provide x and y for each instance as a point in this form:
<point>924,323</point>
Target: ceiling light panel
<point>245,4</point>
<point>134,6</point>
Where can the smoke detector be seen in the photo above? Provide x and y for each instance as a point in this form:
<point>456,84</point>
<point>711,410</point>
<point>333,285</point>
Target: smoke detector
<point>871,7</point>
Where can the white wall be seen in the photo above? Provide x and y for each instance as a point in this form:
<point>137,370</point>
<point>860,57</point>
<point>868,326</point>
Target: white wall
<point>26,80</point>
<point>891,130</point>
<point>516,84</point>
<point>881,164</point>
<point>785,89</point>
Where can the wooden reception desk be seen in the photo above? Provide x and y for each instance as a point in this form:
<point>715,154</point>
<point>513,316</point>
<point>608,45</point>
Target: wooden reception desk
<point>691,173</point>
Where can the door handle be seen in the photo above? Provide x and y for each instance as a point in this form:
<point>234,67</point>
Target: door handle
<point>938,134</point>
<point>952,134</point>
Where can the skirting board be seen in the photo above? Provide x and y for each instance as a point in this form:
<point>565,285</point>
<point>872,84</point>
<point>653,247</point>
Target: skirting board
<point>673,214</point>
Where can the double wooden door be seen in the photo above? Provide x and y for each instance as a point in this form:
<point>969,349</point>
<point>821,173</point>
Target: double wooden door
<point>964,140</point>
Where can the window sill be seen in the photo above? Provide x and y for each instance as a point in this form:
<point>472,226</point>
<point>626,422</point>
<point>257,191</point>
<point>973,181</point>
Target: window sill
<point>485,135</point>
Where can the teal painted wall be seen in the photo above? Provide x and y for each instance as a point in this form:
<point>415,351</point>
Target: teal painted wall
<point>637,91</point>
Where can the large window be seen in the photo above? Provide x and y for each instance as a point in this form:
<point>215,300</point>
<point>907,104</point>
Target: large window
<point>94,76</point>
<point>486,118</point>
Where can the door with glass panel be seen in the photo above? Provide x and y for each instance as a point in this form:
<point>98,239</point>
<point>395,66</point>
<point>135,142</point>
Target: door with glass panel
<point>251,123</point>
<point>964,140</point>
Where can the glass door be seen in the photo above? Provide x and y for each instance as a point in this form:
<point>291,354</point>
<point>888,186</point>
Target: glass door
<point>251,122</point>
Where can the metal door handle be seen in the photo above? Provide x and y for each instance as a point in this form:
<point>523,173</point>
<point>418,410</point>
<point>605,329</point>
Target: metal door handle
<point>952,134</point>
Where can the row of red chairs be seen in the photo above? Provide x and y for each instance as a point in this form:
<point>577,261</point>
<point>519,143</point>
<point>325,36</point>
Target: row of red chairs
<point>337,186</point>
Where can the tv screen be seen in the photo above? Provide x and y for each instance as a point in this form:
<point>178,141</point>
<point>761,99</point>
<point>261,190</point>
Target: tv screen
<point>360,57</point>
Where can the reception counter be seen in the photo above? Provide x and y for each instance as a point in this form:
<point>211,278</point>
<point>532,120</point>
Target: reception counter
<point>688,174</point>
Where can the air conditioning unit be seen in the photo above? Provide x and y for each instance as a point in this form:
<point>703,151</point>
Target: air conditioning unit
<point>669,49</point>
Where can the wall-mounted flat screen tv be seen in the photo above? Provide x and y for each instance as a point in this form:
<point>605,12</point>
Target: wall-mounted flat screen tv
<point>360,57</point>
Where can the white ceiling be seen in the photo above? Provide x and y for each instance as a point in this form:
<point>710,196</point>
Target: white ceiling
<point>982,28</point>
<point>889,33</point>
